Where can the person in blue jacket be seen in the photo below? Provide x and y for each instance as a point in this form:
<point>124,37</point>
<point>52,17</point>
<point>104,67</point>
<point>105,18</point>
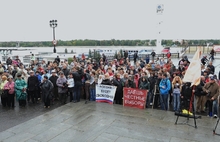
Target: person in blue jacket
<point>165,87</point>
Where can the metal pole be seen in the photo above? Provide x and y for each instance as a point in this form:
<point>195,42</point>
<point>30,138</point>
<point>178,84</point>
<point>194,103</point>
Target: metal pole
<point>54,46</point>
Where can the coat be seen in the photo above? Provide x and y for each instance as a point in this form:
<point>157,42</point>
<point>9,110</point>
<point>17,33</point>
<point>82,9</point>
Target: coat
<point>32,83</point>
<point>60,83</point>
<point>213,88</point>
<point>46,88</point>
<point>19,85</point>
<point>106,82</point>
<point>53,79</point>
<point>165,86</point>
<point>2,84</point>
<point>119,91</point>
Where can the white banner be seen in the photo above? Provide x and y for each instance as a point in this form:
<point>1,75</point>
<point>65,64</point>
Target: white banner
<point>105,93</point>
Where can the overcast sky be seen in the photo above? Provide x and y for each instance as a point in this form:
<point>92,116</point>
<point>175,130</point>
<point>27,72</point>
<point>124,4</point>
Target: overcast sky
<point>28,20</point>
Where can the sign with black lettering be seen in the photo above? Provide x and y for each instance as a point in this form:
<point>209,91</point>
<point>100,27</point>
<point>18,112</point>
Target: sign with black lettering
<point>105,93</point>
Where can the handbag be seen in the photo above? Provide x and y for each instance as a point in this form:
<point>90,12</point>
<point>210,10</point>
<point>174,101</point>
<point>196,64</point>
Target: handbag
<point>5,93</point>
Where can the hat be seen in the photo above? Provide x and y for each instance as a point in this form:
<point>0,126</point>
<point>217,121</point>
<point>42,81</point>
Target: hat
<point>53,71</point>
<point>10,77</point>
<point>212,78</point>
<point>18,74</point>
<point>4,77</point>
<point>31,71</point>
<point>61,72</point>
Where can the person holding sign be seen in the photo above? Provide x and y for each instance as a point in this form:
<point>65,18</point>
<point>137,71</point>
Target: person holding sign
<point>145,85</point>
<point>119,91</point>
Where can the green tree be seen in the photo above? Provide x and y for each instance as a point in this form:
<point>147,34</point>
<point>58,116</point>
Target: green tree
<point>153,43</point>
<point>90,54</point>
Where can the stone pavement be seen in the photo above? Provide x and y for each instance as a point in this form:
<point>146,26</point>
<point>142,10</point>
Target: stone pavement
<point>100,122</point>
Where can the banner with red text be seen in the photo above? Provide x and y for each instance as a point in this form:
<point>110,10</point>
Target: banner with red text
<point>134,98</point>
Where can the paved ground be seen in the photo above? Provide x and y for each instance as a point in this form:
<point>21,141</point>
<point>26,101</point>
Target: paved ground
<point>11,117</point>
<point>101,122</point>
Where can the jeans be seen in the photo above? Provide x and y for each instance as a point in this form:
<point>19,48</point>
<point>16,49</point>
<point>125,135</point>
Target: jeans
<point>164,101</point>
<point>77,91</point>
<point>215,107</point>
<point>87,85</point>
<point>176,101</point>
<point>92,94</point>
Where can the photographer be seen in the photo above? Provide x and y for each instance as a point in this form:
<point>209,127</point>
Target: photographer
<point>62,87</point>
<point>212,90</point>
<point>176,87</point>
<point>200,96</point>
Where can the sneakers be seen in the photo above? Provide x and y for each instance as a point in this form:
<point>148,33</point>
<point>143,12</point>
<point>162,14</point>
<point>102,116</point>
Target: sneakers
<point>215,116</point>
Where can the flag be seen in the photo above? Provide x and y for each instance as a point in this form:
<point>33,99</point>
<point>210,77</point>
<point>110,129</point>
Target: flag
<point>193,73</point>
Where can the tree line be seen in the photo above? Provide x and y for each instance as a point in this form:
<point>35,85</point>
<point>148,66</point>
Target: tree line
<point>112,42</point>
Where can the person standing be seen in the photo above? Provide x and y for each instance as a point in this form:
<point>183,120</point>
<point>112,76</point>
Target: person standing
<point>119,91</point>
<point>10,86</point>
<point>20,90</point>
<point>212,90</point>
<point>46,87</point>
<point>212,53</point>
<point>4,93</point>
<point>9,61</point>
<point>165,87</point>
<point>53,79</point>
<point>135,57</point>
<point>62,87</point>
<point>92,87</point>
<point>153,54</point>
<point>87,84</point>
<point>77,76</point>
<point>70,83</point>
<point>200,96</point>
<point>32,87</point>
<point>177,88</point>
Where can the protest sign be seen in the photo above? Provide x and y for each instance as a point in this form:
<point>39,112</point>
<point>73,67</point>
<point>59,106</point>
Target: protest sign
<point>134,98</point>
<point>105,93</point>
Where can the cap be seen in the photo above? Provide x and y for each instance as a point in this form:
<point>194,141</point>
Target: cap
<point>31,71</point>
<point>53,71</point>
<point>19,75</point>
<point>10,77</point>
<point>61,72</point>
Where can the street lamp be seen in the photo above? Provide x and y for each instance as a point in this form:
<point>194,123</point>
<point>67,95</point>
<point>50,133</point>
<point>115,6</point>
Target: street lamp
<point>53,24</point>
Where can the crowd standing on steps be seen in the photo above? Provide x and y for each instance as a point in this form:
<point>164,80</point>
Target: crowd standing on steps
<point>64,81</point>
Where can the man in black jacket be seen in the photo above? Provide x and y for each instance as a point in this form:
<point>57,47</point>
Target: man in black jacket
<point>9,61</point>
<point>32,86</point>
<point>53,79</point>
<point>77,75</point>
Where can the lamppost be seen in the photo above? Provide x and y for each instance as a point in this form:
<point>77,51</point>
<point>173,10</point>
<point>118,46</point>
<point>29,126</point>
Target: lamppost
<point>53,24</point>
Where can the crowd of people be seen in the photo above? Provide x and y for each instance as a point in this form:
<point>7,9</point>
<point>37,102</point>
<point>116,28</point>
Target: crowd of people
<point>60,80</point>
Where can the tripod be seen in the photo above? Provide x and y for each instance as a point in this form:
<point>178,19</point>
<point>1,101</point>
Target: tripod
<point>156,92</point>
<point>180,114</point>
<point>214,133</point>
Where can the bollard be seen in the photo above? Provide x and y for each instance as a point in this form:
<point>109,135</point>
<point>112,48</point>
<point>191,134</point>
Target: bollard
<point>178,55</point>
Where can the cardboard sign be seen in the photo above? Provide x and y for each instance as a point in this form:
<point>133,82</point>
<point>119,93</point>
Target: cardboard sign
<point>134,98</point>
<point>105,93</point>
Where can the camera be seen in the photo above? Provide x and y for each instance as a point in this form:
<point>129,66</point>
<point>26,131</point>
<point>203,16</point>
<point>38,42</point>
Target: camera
<point>208,94</point>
